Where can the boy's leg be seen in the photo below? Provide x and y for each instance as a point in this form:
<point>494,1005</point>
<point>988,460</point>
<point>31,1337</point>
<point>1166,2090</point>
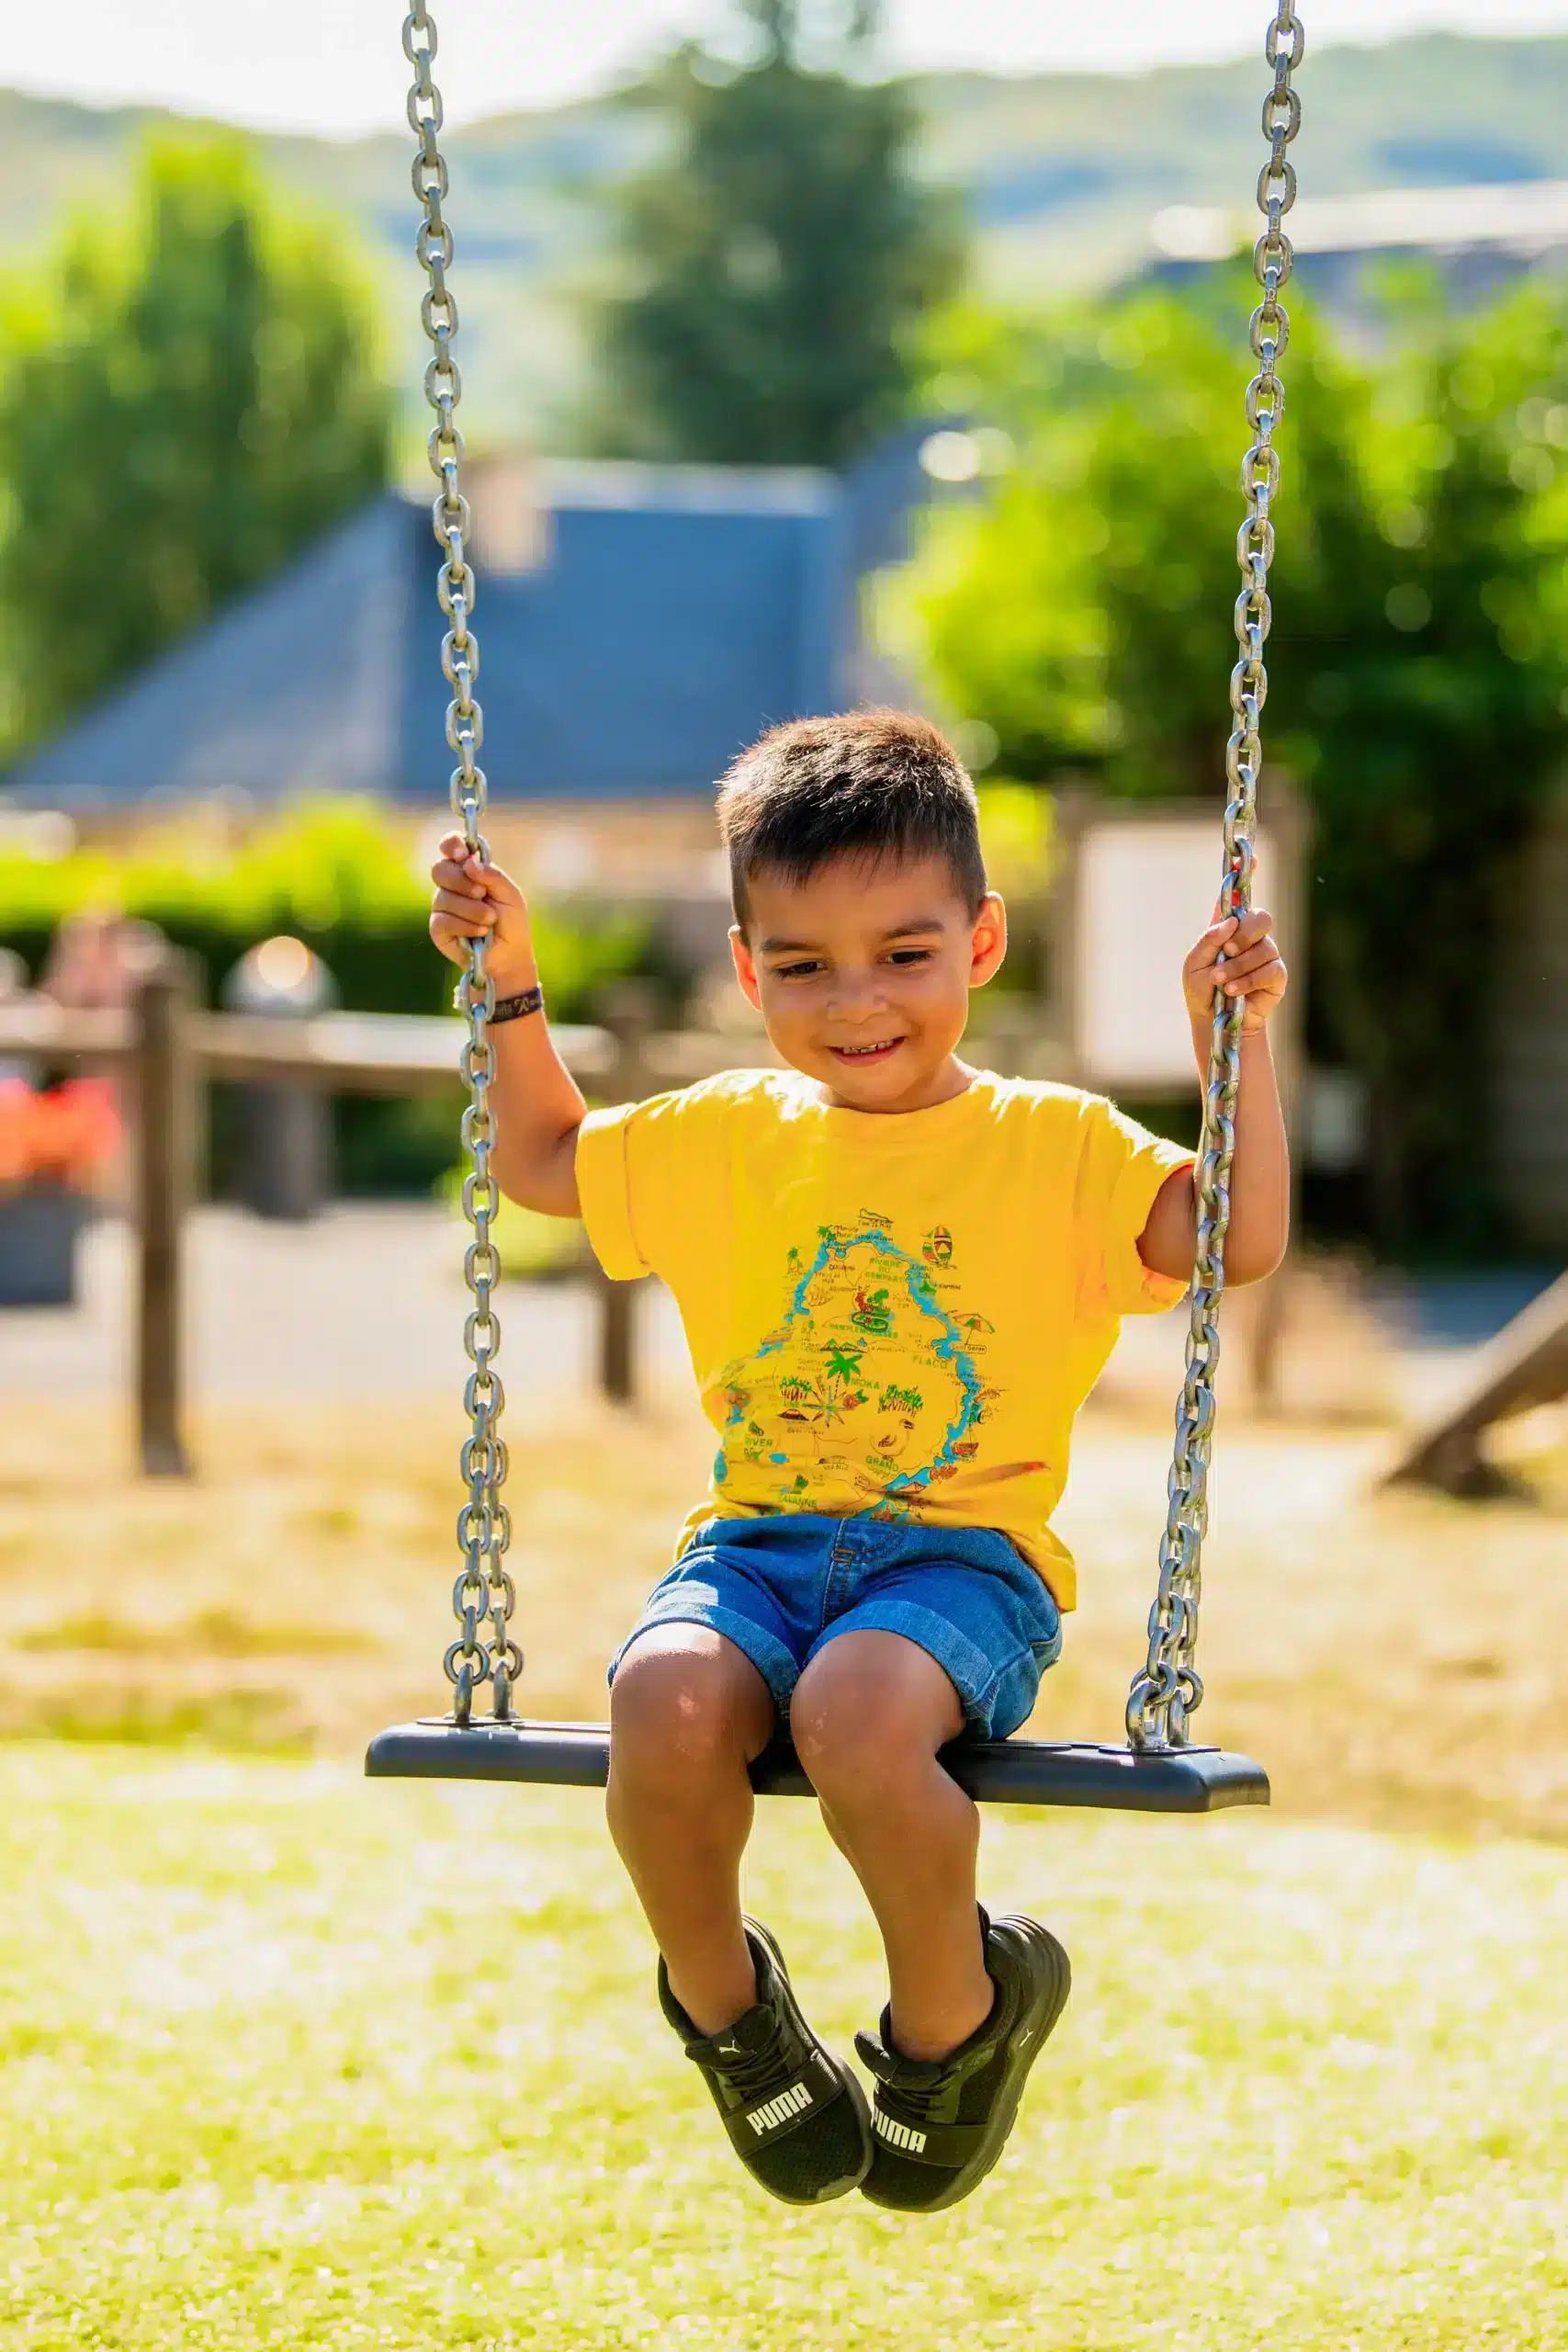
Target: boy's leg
<point>688,1711</point>
<point>868,1717</point>
<point>967,2016</point>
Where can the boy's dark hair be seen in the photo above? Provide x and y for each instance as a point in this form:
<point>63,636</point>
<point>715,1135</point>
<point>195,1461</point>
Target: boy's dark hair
<point>875,783</point>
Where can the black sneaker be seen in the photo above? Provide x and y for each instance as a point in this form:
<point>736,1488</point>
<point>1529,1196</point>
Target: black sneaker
<point>797,2116</point>
<point>940,2124</point>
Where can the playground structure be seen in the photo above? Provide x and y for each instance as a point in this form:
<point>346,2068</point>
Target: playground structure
<point>1525,1367</point>
<point>1159,1769</point>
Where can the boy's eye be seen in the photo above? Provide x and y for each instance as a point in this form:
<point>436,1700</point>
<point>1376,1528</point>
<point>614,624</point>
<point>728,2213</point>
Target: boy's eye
<point>911,955</point>
<point>801,971</point>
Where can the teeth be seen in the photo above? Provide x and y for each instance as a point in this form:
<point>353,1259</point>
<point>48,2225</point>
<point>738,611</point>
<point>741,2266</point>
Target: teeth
<point>886,1046</point>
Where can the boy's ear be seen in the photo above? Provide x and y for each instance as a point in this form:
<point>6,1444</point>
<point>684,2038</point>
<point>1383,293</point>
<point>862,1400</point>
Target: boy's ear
<point>745,967</point>
<point>988,942</point>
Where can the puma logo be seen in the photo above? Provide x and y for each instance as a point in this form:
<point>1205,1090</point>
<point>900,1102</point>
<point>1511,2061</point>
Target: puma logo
<point>780,2110</point>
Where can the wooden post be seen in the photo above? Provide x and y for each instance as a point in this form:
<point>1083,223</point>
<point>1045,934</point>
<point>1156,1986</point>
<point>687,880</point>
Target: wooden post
<point>166,1133</point>
<point>627,1015</point>
<point>617,1340</point>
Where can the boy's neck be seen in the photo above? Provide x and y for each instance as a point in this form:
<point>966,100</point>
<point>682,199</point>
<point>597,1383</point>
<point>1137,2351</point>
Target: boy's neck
<point>951,1078</point>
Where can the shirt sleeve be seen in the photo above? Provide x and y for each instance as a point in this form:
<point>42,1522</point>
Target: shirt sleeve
<point>1124,1167</point>
<point>642,1178</point>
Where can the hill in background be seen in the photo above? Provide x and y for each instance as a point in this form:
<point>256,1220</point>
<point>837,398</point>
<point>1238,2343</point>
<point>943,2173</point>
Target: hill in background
<point>1062,173</point>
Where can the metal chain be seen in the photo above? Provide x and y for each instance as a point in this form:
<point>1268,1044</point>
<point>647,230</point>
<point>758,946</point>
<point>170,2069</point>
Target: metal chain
<point>483,1591</point>
<point>1169,1690</point>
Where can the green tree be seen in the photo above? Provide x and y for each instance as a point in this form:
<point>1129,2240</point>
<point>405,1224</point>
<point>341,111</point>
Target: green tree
<point>1418,661</point>
<point>775,260</point>
<point>189,397</point>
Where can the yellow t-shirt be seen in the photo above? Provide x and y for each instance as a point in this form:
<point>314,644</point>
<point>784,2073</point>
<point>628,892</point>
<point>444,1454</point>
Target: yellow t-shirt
<point>898,1314</point>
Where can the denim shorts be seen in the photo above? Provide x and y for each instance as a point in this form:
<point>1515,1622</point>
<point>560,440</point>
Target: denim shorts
<point>781,1586</point>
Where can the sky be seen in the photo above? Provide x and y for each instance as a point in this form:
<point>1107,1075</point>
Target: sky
<point>337,65</point>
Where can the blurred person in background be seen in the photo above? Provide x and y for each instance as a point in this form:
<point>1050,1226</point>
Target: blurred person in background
<point>96,960</point>
<point>14,1068</point>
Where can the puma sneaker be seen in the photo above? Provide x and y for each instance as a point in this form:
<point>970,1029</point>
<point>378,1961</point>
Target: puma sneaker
<point>940,2124</point>
<point>797,2116</point>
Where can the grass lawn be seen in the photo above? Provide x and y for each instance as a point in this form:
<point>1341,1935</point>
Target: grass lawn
<point>295,2061</point>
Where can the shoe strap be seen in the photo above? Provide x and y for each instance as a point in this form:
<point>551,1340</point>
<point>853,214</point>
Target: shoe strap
<point>947,2145</point>
<point>813,2086</point>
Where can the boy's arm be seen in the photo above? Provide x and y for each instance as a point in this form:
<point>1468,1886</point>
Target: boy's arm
<point>1260,1171</point>
<point>539,1109</point>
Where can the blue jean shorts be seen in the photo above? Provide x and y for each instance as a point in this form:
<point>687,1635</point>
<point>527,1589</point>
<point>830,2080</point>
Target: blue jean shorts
<point>781,1586</point>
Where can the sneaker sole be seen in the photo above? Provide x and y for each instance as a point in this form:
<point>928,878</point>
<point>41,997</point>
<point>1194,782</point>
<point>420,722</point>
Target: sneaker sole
<point>1024,2044</point>
<point>847,2077</point>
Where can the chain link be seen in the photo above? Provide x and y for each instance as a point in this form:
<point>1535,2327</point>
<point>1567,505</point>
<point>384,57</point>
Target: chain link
<point>1169,1690</point>
<point>483,1595</point>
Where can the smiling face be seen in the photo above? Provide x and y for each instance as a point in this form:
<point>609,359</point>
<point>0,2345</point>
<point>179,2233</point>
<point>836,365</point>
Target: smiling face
<point>863,973</point>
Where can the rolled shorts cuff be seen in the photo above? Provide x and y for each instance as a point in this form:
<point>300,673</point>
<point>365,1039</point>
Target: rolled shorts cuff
<point>995,1698</point>
<point>772,1659</point>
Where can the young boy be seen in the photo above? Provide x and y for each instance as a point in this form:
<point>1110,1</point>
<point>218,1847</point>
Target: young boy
<point>900,1278</point>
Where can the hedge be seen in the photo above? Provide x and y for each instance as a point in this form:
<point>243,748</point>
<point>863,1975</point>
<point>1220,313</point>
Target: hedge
<point>341,877</point>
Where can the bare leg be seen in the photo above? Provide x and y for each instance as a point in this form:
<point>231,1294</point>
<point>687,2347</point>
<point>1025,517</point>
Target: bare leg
<point>688,1711</point>
<point>868,1717</point>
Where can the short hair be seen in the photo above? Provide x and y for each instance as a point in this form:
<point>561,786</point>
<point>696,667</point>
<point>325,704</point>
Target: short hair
<point>874,784</point>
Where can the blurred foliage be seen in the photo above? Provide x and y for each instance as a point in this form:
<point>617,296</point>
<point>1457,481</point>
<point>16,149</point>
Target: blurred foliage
<point>777,257</point>
<point>339,875</point>
<point>346,880</point>
<point>533,1248</point>
<point>1017,832</point>
<point>1418,662</point>
<point>188,396</point>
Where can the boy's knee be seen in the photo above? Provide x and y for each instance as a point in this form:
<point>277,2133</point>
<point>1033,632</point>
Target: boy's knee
<point>678,1712</point>
<point>860,1729</point>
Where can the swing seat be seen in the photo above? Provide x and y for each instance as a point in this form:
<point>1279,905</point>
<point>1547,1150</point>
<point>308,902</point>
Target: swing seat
<point>996,1771</point>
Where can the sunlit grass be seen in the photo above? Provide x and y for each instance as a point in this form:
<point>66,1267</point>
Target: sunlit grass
<point>1388,1655</point>
<point>208,1633</point>
<point>294,2061</point>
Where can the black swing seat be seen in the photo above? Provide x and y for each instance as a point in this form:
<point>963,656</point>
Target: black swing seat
<point>996,1771</point>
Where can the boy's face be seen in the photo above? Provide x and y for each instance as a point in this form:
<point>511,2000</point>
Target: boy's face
<point>863,975</point>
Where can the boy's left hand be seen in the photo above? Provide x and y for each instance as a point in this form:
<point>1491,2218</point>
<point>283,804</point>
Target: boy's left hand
<point>1253,968</point>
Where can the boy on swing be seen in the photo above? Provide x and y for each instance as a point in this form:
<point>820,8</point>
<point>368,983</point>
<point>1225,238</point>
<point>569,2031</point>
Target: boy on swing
<point>900,1277</point>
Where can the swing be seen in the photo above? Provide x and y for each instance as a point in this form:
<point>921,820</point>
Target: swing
<point>1159,1769</point>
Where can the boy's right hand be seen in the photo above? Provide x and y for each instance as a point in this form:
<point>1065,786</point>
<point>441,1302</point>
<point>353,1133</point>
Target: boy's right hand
<point>477,901</point>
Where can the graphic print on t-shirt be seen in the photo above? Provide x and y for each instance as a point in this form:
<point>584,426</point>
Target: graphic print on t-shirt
<point>872,1376</point>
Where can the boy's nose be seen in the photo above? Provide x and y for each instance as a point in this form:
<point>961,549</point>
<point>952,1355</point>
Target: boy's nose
<point>858,996</point>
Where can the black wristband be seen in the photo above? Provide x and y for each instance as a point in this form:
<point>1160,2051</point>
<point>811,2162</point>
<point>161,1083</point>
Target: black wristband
<point>517,1008</point>
<point>506,1008</point>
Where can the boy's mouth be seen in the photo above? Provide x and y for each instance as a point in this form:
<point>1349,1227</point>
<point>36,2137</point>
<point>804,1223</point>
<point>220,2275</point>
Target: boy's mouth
<point>864,1054</point>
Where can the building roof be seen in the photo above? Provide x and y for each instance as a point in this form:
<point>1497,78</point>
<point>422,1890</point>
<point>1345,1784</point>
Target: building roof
<point>296,687</point>
<point>665,616</point>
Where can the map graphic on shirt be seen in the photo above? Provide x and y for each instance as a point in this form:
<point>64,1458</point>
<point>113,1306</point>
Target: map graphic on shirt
<point>873,1373</point>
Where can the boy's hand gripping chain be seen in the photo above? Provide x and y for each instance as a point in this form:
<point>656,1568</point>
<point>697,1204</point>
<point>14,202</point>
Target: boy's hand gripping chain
<point>1169,1690</point>
<point>483,1591</point>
